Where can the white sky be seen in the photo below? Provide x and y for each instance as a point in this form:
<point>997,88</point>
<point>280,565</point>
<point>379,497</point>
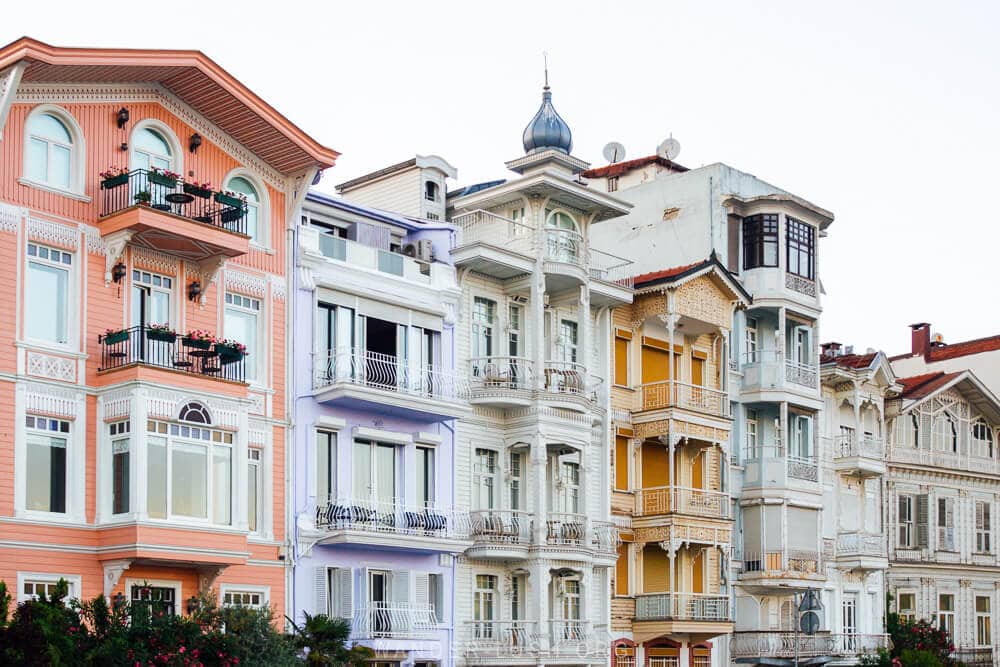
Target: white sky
<point>884,113</point>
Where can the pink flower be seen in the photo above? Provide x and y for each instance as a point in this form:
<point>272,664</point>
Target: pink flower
<point>181,649</point>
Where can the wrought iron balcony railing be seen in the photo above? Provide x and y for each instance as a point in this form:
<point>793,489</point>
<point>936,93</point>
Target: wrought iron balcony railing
<point>388,516</point>
<point>142,187</point>
<point>387,372</point>
<point>777,644</point>
<point>501,526</point>
<point>777,562</point>
<point>152,346</point>
<point>501,374</point>
<point>394,620</point>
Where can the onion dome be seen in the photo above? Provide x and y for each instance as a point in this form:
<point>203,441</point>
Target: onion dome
<point>547,129</point>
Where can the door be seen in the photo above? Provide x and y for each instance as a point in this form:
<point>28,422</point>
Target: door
<point>849,607</point>
<point>150,151</point>
<point>698,572</point>
<point>151,296</point>
<point>378,597</point>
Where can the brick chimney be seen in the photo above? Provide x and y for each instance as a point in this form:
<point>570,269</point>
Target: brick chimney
<point>920,339</point>
<point>830,349</point>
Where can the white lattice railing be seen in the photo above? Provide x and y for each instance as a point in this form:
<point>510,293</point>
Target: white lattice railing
<point>776,561</point>
<point>490,229</point>
<point>610,269</point>
<point>670,393</point>
<point>800,284</point>
<point>499,639</point>
<point>797,467</point>
<point>565,246</point>
<point>806,375</point>
<point>772,644</point>
<point>698,502</point>
<point>501,526</point>
<point>380,516</point>
<point>606,536</point>
<point>849,444</point>
<point>861,544</point>
<point>387,372</point>
<point>682,606</point>
<point>394,620</point>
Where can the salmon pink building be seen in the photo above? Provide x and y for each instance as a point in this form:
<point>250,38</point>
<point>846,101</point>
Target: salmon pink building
<point>143,416</point>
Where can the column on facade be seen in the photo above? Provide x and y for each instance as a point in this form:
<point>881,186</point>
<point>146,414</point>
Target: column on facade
<point>538,459</point>
<point>140,451</point>
<point>538,599</point>
<point>537,292</point>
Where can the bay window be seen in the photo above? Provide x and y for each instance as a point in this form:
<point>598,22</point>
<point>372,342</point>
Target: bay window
<point>760,241</point>
<point>189,472</point>
<point>46,301</point>
<point>241,324</point>
<point>47,441</point>
<point>801,246</point>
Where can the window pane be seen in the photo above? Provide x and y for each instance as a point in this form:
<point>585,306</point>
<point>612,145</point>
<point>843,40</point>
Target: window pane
<point>325,467</point>
<point>120,477</point>
<point>46,305</point>
<point>386,473</point>
<point>151,142</point>
<point>48,126</point>
<point>222,484</point>
<point>242,327</point>
<point>59,172</point>
<point>46,479</point>
<point>156,492</point>
<point>38,160</point>
<point>189,480</point>
<point>362,470</point>
<point>425,476</point>
<point>253,482</point>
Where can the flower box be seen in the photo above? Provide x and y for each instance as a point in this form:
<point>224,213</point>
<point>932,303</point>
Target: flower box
<point>161,179</point>
<point>197,343</point>
<point>161,335</point>
<point>196,191</point>
<point>229,354</point>
<point>116,337</point>
<point>114,181</point>
<point>228,200</point>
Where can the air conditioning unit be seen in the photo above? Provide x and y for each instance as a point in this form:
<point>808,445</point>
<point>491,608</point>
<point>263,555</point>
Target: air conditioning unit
<point>425,250</point>
<point>410,249</point>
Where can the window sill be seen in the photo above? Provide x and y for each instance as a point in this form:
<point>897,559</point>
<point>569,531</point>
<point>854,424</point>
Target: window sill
<point>52,348</point>
<point>54,190</point>
<point>49,518</point>
<point>262,248</point>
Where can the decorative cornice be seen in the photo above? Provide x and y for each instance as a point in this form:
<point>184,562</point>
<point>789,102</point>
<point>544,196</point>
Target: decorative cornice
<point>53,232</point>
<point>154,261</point>
<point>278,288</point>
<point>246,283</point>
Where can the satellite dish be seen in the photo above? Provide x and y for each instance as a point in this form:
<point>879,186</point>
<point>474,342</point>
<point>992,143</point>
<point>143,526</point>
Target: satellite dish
<point>614,152</point>
<point>669,149</point>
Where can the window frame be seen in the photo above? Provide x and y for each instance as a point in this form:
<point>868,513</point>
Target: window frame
<point>800,236</point>
<point>480,476</point>
<point>908,524</point>
<point>263,591</point>
<point>909,612</point>
<point>74,581</point>
<point>757,236</point>
<point>982,525</point>
<point>984,624</point>
<point>946,617</point>
<point>255,366</point>
<point>255,472</point>
<point>71,306</point>
<point>31,429</point>
<point>77,158</point>
<point>426,487</point>
<point>263,240</point>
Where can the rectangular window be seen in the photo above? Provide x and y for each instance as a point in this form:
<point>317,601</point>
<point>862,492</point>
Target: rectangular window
<point>750,341</point>
<point>326,467</point>
<point>484,601</point>
<point>240,324</point>
<point>425,476</point>
<point>119,476</point>
<point>148,600</point>
<point>622,570</point>
<point>751,435</point>
<point>189,480</point>
<point>622,340</point>
<point>904,520</point>
<point>515,480</point>
<point>156,477</point>
<point>514,330</point>
<point>189,472</point>
<point>34,587</point>
<point>983,532</point>
<point>801,427</point>
<point>571,488</point>
<point>946,613</point>
<point>485,470</point>
<point>760,241</point>
<point>621,463</point>
<point>571,599</point>
<point>613,184</point>
<point>435,595</point>
<point>236,598</point>
<point>222,485</point>
<point>46,301</point>
<point>568,337</point>
<point>946,524</point>
<point>254,495</point>
<point>45,481</point>
<point>483,318</point>
<point>374,473</point>
<point>907,605</point>
<point>984,634</point>
<point>801,248</point>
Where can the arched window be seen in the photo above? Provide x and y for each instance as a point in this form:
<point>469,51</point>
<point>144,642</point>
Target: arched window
<point>49,153</point>
<point>561,220</point>
<point>243,186</point>
<point>151,149</point>
<point>196,413</point>
<point>563,238</point>
<point>982,438</point>
<point>430,191</point>
<point>944,433</point>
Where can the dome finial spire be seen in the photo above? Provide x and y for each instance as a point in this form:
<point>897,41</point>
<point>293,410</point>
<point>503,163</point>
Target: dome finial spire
<point>545,59</point>
<point>547,130</point>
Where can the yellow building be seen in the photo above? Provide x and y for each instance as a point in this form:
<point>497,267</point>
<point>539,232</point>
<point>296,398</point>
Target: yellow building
<point>672,418</point>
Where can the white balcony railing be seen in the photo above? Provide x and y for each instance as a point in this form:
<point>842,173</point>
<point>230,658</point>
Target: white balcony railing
<point>682,607</point>
<point>606,536</point>
<point>495,640</point>
<point>500,639</point>
<point>565,528</point>
<point>490,229</point>
<point>501,526</point>
<point>387,372</point>
<point>501,374</point>
<point>608,268</point>
<point>861,544</point>
<point>774,644</point>
<point>780,561</point>
<point>697,502</point>
<point>768,368</point>
<point>805,375</point>
<point>387,516</point>
<point>393,620</point>
<point>567,377</point>
<point>565,246</point>
<point>850,445</point>
<point>668,393</point>
<point>769,459</point>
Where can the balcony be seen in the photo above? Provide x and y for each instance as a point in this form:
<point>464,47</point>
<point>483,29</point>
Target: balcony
<point>862,551</point>
<point>570,383</point>
<point>682,607</point>
<point>862,455</point>
<point>361,378</point>
<point>977,657</point>
<point>168,215</point>
<point>501,382</point>
<point>376,522</point>
<point>789,645</point>
<point>393,620</point>
<point>682,500</point>
<point>611,279</point>
<point>493,245</point>
<point>774,466</point>
<point>781,568</point>
<point>500,534</point>
<point>769,370</point>
<point>772,283</point>
<point>139,349</point>
<point>510,642</point>
<point>674,394</point>
<point>566,529</point>
<point>606,539</point>
<point>565,260</point>
<point>332,252</point>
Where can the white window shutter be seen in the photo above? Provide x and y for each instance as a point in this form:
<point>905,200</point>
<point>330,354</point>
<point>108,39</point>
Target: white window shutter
<point>346,592</point>
<point>950,524</point>
<point>321,586</point>
<point>400,587</point>
<point>923,520</point>
<point>422,589</point>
